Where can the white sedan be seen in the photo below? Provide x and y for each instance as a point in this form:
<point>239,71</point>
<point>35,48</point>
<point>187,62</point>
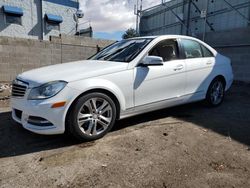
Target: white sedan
<point>129,77</point>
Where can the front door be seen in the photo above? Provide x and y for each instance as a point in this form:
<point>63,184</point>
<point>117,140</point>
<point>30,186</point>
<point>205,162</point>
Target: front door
<point>162,82</point>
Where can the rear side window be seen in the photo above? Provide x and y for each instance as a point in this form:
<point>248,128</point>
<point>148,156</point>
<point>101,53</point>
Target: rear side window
<point>206,52</point>
<point>192,49</point>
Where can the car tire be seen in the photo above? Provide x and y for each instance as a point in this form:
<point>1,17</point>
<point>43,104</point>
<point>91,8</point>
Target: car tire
<point>92,116</point>
<point>215,93</point>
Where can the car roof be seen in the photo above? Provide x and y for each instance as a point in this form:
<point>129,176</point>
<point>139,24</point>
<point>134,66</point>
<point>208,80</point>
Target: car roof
<point>164,36</point>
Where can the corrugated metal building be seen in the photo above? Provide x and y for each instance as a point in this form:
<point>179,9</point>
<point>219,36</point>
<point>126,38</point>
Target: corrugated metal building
<point>224,24</point>
<point>188,17</point>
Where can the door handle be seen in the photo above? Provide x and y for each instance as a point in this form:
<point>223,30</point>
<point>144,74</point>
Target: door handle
<point>209,62</point>
<point>178,67</point>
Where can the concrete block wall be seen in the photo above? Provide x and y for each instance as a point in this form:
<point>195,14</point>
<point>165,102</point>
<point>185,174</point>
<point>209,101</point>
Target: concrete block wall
<point>19,55</point>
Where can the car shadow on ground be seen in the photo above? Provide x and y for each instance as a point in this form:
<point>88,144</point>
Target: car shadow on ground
<point>224,120</point>
<point>231,119</point>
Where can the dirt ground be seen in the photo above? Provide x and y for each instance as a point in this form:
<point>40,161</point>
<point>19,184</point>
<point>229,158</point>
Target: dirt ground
<point>186,146</point>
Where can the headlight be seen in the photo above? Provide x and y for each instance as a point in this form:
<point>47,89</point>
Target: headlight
<point>46,90</point>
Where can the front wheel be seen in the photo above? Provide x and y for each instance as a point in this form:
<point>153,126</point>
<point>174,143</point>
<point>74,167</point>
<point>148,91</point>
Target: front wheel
<point>215,93</point>
<point>92,117</point>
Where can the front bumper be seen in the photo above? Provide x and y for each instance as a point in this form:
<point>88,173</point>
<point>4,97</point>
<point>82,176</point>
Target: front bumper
<point>54,118</point>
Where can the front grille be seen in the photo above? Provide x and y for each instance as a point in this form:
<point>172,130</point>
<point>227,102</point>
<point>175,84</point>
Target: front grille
<point>18,89</point>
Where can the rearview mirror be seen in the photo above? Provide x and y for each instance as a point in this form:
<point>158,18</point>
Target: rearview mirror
<point>152,61</point>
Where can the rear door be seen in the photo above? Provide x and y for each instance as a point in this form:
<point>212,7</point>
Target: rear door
<point>199,66</point>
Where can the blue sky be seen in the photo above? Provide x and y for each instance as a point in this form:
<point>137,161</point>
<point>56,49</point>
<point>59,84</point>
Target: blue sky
<point>111,18</point>
<point>107,35</point>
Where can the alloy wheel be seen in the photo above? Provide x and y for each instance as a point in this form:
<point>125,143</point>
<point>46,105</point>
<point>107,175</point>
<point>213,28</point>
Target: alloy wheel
<point>95,116</point>
<point>217,92</point>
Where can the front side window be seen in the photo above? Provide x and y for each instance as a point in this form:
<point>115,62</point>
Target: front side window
<point>122,51</point>
<point>167,49</point>
<point>192,49</point>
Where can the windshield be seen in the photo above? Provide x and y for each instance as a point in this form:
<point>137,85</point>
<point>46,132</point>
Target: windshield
<point>122,51</point>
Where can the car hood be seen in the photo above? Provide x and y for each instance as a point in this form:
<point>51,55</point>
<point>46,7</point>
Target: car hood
<point>71,71</point>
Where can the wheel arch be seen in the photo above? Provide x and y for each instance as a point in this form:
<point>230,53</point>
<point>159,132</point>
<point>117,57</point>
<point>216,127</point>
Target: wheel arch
<point>221,77</point>
<point>208,100</point>
<point>99,90</point>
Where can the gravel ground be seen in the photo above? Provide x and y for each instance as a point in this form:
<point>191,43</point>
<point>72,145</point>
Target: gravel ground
<point>186,146</point>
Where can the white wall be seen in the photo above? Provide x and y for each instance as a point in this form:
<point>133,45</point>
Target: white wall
<point>31,20</point>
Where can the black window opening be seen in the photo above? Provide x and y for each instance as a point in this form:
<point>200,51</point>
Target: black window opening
<point>12,15</point>
<point>53,21</point>
<point>167,49</point>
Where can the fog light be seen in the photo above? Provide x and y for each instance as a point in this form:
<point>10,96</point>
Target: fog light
<point>38,121</point>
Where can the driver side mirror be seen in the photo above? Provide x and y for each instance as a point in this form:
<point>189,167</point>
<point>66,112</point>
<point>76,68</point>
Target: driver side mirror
<point>152,61</point>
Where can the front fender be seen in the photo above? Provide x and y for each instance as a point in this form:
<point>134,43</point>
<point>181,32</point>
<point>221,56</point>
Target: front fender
<point>96,83</point>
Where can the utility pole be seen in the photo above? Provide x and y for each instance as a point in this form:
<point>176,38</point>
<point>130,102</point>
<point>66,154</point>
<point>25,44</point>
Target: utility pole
<point>137,12</point>
<point>205,21</point>
<point>40,13</point>
<point>137,16</point>
<point>188,16</point>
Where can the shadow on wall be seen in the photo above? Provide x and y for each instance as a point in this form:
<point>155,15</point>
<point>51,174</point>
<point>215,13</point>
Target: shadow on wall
<point>37,28</point>
<point>3,24</point>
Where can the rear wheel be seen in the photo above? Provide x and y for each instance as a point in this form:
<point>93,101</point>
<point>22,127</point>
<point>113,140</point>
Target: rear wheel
<point>92,116</point>
<point>215,93</point>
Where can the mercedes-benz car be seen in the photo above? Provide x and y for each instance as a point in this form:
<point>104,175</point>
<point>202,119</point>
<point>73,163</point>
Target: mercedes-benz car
<point>129,77</point>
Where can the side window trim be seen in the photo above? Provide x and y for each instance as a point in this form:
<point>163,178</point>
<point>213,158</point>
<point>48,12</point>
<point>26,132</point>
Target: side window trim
<point>202,52</point>
<point>181,49</point>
